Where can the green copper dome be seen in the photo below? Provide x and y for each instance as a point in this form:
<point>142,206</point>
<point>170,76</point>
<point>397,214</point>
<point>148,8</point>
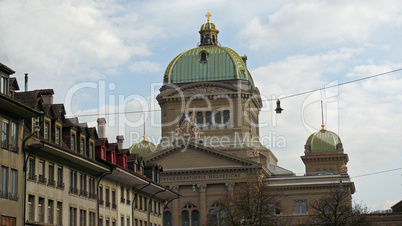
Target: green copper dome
<point>143,148</point>
<point>208,25</point>
<point>323,140</point>
<point>207,63</point>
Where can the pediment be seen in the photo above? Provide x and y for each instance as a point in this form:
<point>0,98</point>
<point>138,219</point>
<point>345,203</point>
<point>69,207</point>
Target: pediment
<point>192,157</point>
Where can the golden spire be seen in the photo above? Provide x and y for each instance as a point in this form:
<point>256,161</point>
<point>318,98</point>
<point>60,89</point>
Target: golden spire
<point>322,117</point>
<point>143,117</point>
<point>208,16</point>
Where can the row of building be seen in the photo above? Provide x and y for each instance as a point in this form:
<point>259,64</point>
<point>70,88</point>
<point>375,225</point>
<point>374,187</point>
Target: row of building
<point>58,171</point>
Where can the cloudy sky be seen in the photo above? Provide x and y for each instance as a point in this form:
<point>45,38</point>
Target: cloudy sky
<point>109,56</point>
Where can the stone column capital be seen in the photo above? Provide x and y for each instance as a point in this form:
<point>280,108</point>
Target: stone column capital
<point>202,187</point>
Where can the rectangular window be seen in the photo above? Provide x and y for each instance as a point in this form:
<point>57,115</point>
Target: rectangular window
<point>128,221</point>
<point>73,216</point>
<point>8,221</point>
<point>107,197</point>
<point>83,217</point>
<point>91,218</point>
<point>31,169</point>
<point>57,135</point>
<point>51,180</point>
<point>128,196</point>
<point>114,206</point>
<point>4,182</point>
<point>46,130</point>
<point>83,185</point>
<point>14,137</point>
<point>50,211</point>
<point>41,210</point>
<point>91,150</point>
<point>145,203</point>
<point>5,134</point>
<point>14,185</point>
<point>73,141</point>
<point>122,194</point>
<point>82,146</point>
<point>100,195</point>
<point>60,183</point>
<point>31,208</point>
<point>41,173</point>
<point>73,182</point>
<point>59,213</point>
<point>140,198</point>
<point>4,85</point>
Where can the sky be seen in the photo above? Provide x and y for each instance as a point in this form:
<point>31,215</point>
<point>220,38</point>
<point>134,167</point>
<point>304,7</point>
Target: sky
<point>110,56</point>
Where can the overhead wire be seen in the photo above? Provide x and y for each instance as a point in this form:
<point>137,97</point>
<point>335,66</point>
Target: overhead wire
<point>286,97</point>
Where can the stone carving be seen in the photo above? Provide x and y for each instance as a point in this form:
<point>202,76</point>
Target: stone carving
<point>174,188</point>
<point>202,187</point>
<point>205,89</point>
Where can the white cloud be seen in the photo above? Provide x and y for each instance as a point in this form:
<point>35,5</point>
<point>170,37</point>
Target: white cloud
<point>146,66</point>
<point>321,22</point>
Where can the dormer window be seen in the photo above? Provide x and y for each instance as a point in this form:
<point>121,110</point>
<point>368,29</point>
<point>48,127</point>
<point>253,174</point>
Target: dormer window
<point>73,141</point>
<point>4,84</point>
<point>203,57</point>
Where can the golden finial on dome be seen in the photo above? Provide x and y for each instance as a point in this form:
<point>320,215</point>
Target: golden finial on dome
<point>208,16</point>
<point>322,117</point>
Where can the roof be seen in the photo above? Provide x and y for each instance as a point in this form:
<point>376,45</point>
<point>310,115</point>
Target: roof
<point>142,148</point>
<point>222,64</point>
<point>6,69</point>
<point>208,25</point>
<point>323,140</point>
<point>279,171</point>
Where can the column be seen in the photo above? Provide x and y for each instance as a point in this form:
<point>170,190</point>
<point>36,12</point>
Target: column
<point>203,203</point>
<point>175,206</point>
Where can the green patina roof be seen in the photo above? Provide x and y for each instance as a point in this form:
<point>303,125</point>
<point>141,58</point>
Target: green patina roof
<point>323,140</point>
<point>222,64</point>
<point>208,25</point>
<point>143,148</point>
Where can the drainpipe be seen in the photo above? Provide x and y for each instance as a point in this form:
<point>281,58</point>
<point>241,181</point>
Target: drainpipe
<point>24,168</point>
<point>150,204</point>
<point>135,200</point>
<point>101,176</point>
<point>167,203</point>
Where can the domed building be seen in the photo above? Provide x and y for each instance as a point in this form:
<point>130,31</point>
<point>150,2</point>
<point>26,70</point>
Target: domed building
<point>210,137</point>
<point>142,148</point>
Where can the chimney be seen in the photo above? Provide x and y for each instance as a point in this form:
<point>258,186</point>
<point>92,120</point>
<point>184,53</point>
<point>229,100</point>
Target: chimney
<point>120,140</point>
<point>26,82</point>
<point>101,127</point>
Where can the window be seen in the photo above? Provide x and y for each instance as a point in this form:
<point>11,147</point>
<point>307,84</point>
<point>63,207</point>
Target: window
<point>83,217</point>
<point>200,120</point>
<point>5,134</point>
<point>31,169</point>
<point>122,194</point>
<point>73,216</point>
<point>218,119</point>
<point>59,213</point>
<point>14,185</point>
<point>8,221</point>
<point>92,219</point>
<point>41,210</point>
<point>226,118</point>
<point>31,208</point>
<point>42,178</point>
<point>4,89</point>
<point>50,211</point>
<point>208,119</point>
<point>167,219</point>
<point>73,182</point>
<point>324,172</point>
<point>57,135</point>
<point>274,208</point>
<point>73,141</point>
<point>331,171</point>
<point>203,57</point>
<point>300,207</point>
<point>83,185</point>
<point>100,195</point>
<point>60,183</point>
<point>91,150</point>
<point>14,137</point>
<point>217,215</point>
<point>82,146</point>
<point>195,218</point>
<point>185,218</point>
<point>114,206</point>
<point>46,131</point>
<point>92,192</point>
<point>4,182</point>
<point>145,204</point>
<point>140,199</point>
<point>318,172</point>
<point>51,180</point>
<point>107,197</point>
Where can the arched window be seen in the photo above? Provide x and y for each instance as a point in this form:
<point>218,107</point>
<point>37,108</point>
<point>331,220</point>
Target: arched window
<point>324,172</point>
<point>195,218</point>
<point>300,207</point>
<point>331,171</point>
<point>200,120</point>
<point>213,216</point>
<point>203,57</point>
<point>217,118</point>
<point>226,118</point>
<point>208,119</point>
<point>318,172</point>
<point>185,218</point>
<point>222,217</point>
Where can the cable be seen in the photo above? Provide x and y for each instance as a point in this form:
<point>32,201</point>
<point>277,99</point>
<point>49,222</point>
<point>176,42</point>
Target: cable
<point>369,174</point>
<point>293,95</point>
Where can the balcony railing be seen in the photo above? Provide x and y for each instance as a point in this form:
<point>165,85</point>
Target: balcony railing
<point>83,193</point>
<point>128,202</point>
<point>114,206</point>
<point>31,177</point>
<point>122,200</point>
<point>60,185</point>
<point>3,194</point>
<point>13,196</point>
<point>92,195</point>
<point>42,179</point>
<point>51,183</point>
<point>74,190</point>
<point>107,204</point>
<point>101,202</point>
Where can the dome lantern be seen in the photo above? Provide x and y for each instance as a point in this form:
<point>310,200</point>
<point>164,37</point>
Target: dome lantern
<point>208,33</point>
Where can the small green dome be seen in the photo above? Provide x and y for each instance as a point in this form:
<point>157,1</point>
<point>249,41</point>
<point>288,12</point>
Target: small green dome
<point>207,26</point>
<point>143,148</point>
<point>324,140</point>
<point>207,63</point>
